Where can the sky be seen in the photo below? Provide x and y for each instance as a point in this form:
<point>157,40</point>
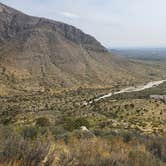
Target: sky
<point>115,23</point>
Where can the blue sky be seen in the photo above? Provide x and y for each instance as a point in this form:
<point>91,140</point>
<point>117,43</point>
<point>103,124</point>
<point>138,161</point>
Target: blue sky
<point>115,23</point>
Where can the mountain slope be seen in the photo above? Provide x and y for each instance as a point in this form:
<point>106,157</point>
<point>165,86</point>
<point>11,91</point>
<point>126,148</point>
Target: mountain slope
<point>36,52</point>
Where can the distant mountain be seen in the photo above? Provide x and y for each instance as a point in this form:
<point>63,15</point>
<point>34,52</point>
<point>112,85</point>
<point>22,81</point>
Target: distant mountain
<point>36,52</point>
<point>157,54</point>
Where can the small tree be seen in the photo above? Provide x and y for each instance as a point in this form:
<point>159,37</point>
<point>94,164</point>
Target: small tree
<point>42,122</point>
<point>72,124</point>
<point>29,132</point>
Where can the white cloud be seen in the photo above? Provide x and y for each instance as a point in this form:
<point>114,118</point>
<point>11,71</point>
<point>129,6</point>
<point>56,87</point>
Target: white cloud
<point>69,15</point>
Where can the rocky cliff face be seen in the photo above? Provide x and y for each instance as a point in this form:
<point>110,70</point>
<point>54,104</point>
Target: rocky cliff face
<point>37,51</point>
<point>13,22</point>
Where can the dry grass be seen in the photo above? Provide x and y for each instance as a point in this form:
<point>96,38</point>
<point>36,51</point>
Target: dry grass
<point>79,152</point>
<point>3,90</point>
<point>99,152</point>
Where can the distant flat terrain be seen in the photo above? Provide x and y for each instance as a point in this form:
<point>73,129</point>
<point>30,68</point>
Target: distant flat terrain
<point>156,54</point>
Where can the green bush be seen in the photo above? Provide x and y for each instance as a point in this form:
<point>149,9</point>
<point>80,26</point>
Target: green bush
<point>157,146</point>
<point>72,124</point>
<point>127,137</point>
<point>29,132</point>
<point>6,120</point>
<point>42,122</point>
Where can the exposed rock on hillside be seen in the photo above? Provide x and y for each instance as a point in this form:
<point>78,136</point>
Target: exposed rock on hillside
<point>37,51</point>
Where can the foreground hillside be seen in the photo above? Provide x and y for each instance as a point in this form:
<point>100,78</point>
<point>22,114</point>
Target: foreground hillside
<point>45,129</point>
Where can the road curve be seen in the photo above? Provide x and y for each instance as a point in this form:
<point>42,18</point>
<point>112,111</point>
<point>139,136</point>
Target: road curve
<point>128,90</point>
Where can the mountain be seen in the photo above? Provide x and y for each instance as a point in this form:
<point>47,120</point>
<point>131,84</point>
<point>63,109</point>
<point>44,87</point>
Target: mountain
<point>37,52</point>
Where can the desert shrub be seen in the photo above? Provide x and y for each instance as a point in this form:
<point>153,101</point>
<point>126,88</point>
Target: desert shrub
<point>99,152</point>
<point>72,124</point>
<point>23,152</point>
<point>157,146</point>
<point>141,158</point>
<point>42,122</point>
<point>3,90</point>
<point>7,115</point>
<point>17,151</point>
<point>58,132</point>
<point>29,132</point>
<point>6,120</point>
<point>127,137</point>
<point>91,152</point>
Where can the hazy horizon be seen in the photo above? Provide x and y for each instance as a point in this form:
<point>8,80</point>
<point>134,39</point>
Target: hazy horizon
<point>138,47</point>
<point>115,23</point>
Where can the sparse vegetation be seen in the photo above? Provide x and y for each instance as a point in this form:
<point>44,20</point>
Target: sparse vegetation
<point>49,71</point>
<point>120,131</point>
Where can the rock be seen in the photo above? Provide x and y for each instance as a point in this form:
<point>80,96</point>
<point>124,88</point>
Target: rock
<point>83,128</point>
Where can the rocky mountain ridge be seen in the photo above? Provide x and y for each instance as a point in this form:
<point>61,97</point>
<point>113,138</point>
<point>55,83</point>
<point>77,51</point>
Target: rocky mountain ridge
<point>37,52</point>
